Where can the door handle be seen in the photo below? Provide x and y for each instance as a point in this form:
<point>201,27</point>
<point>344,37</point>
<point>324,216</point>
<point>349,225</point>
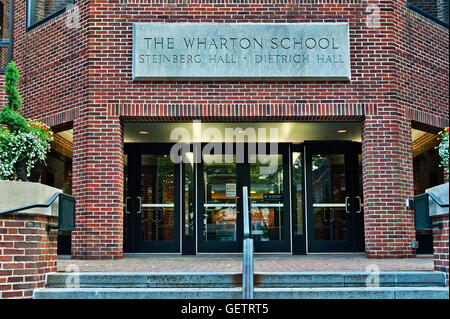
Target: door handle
<point>126,205</point>
<point>324,214</point>
<point>347,205</point>
<point>359,205</point>
<point>140,205</point>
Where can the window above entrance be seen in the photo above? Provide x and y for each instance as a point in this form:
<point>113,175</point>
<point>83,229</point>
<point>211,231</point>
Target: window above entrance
<point>436,10</point>
<point>6,24</point>
<point>39,11</point>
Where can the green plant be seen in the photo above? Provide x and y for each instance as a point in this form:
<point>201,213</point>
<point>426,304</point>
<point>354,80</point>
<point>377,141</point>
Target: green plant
<point>9,116</point>
<point>443,148</point>
<point>22,143</point>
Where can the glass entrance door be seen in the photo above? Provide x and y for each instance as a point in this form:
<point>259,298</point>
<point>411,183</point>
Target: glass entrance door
<point>270,218</point>
<point>334,217</point>
<point>220,218</point>
<point>152,205</point>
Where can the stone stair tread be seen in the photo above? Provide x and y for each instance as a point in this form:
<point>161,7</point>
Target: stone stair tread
<point>263,280</point>
<point>280,285</point>
<point>260,293</point>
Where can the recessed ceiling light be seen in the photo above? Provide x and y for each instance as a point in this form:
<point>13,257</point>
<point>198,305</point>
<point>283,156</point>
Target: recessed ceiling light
<point>143,132</point>
<point>342,131</point>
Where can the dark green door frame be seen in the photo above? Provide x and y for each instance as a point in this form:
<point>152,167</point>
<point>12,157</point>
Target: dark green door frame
<point>354,220</point>
<point>132,212</point>
<point>243,179</point>
<point>192,242</point>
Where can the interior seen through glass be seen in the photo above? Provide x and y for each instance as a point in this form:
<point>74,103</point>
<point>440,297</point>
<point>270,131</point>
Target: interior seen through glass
<point>220,198</point>
<point>267,198</point>
<point>157,192</point>
<point>328,187</point>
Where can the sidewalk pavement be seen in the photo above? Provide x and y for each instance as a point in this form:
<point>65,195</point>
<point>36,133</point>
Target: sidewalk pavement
<point>233,263</point>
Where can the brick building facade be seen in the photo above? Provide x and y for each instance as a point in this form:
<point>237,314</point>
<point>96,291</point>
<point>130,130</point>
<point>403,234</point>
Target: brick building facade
<point>77,74</point>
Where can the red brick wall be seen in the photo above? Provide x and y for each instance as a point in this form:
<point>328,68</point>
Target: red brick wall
<point>440,244</point>
<point>27,254</point>
<point>387,183</point>
<point>421,49</point>
<point>97,184</point>
<point>422,71</point>
<point>52,59</point>
<point>84,75</point>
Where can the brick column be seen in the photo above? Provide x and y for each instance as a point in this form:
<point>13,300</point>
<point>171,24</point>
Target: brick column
<point>440,244</point>
<point>98,187</point>
<point>27,254</point>
<point>387,183</point>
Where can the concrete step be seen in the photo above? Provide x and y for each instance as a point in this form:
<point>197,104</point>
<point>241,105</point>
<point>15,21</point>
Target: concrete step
<point>231,280</point>
<point>144,280</point>
<point>350,279</point>
<point>236,293</point>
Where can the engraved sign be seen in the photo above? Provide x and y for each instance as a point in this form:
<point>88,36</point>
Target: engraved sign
<point>241,51</point>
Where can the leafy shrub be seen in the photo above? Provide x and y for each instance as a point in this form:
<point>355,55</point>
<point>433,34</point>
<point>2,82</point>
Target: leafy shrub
<point>22,143</point>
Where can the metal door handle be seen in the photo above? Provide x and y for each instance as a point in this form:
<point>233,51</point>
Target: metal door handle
<point>140,205</point>
<point>347,205</point>
<point>359,207</point>
<point>126,205</point>
<point>324,214</point>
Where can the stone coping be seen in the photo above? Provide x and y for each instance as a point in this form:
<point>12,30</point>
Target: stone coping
<point>16,194</point>
<point>441,192</point>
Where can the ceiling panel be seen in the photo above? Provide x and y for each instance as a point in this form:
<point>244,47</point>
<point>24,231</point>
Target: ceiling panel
<point>286,132</point>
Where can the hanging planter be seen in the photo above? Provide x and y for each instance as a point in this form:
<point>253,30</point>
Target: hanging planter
<point>35,172</point>
<point>21,170</point>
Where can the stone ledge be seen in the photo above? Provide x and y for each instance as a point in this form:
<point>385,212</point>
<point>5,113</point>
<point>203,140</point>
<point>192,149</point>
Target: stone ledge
<point>441,192</point>
<point>17,194</point>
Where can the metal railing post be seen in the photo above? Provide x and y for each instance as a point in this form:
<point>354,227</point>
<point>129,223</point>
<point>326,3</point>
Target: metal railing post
<point>247,267</point>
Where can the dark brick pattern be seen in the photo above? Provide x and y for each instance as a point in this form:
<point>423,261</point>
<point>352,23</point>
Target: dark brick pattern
<point>27,254</point>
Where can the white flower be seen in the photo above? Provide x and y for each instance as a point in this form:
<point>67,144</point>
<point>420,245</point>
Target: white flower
<point>15,147</point>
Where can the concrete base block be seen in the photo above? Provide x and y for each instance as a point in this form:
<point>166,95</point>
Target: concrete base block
<point>18,194</point>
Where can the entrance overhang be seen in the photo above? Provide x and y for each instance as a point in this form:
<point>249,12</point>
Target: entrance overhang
<point>287,132</point>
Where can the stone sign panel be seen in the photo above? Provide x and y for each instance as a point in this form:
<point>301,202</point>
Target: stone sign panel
<point>241,51</point>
